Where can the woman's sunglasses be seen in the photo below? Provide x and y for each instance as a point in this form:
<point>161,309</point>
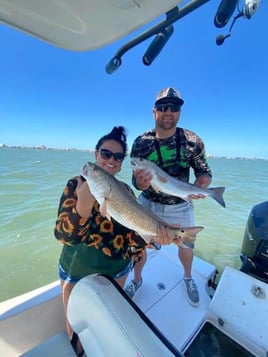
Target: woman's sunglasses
<point>171,106</point>
<point>107,154</point>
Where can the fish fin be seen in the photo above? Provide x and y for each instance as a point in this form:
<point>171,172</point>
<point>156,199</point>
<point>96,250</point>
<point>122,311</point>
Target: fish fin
<point>185,234</point>
<point>103,210</point>
<point>217,194</point>
<point>186,199</point>
<point>155,188</point>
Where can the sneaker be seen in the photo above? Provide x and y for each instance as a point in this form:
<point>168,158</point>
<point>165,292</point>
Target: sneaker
<point>192,292</point>
<point>132,288</point>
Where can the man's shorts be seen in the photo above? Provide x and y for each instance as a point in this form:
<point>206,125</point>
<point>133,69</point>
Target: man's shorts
<point>182,214</point>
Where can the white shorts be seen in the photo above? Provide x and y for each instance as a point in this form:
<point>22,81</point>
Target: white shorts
<point>182,213</point>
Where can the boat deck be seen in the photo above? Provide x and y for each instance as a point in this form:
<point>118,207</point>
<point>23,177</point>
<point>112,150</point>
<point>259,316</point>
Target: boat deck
<point>163,298</point>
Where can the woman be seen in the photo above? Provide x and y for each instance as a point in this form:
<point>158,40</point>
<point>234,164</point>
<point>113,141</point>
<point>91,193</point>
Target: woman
<point>92,243</point>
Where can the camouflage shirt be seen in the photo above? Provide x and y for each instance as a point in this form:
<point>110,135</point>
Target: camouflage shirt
<point>175,155</point>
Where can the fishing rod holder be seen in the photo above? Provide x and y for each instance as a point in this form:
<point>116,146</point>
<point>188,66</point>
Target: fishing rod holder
<point>162,30</point>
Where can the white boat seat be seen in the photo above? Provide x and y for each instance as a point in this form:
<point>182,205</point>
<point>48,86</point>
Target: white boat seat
<point>109,324</point>
<point>56,346</point>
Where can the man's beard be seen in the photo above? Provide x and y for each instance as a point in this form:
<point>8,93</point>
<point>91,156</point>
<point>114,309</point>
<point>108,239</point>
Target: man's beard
<point>167,124</point>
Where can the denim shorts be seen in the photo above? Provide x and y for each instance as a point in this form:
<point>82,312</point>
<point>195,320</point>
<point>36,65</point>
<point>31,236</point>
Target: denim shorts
<point>182,214</point>
<point>125,270</point>
<point>72,279</point>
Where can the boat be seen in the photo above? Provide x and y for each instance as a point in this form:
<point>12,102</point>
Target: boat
<point>232,316</point>
<point>230,320</point>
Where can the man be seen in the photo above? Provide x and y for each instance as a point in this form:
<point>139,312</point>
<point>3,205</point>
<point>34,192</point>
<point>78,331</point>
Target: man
<point>175,150</point>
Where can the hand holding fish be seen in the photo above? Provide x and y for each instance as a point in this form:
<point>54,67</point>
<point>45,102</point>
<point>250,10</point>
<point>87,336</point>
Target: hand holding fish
<point>196,197</point>
<point>202,181</point>
<point>143,179</point>
<point>85,200</point>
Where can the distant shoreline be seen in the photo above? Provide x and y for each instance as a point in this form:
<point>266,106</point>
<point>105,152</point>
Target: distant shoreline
<point>43,147</point>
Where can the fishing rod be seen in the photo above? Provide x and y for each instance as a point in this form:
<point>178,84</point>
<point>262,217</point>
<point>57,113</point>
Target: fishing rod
<point>163,30</point>
<point>249,9</point>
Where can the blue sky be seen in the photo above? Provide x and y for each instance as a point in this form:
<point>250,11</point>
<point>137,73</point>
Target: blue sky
<point>62,99</point>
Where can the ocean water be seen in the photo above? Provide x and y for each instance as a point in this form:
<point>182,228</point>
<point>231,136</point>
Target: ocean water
<point>31,183</point>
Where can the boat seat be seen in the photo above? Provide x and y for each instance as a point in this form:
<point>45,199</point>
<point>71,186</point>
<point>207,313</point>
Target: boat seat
<point>109,324</point>
<point>56,346</point>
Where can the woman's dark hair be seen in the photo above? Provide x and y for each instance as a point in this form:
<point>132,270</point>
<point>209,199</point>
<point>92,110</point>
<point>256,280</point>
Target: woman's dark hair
<point>118,134</point>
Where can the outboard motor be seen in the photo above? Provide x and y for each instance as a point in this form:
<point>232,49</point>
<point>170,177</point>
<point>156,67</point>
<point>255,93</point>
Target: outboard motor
<point>254,252</point>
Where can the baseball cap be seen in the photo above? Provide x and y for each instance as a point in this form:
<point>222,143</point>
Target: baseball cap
<point>170,95</point>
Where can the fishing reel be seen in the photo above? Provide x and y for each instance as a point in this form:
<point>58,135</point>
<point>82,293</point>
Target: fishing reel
<point>251,7</point>
<point>226,10</point>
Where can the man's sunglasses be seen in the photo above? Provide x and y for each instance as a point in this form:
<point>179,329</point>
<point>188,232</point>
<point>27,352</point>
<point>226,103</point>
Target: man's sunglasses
<point>171,106</point>
<point>107,154</point>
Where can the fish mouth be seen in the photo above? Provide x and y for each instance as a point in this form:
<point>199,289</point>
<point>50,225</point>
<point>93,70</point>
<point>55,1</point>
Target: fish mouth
<point>133,163</point>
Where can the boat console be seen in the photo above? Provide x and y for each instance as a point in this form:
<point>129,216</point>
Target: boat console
<point>236,317</point>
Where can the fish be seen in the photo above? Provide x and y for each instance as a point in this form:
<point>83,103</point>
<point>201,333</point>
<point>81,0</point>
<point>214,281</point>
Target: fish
<point>162,182</point>
<point>118,202</point>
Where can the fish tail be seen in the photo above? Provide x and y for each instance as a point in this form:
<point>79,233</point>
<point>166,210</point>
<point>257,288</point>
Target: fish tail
<point>185,234</point>
<point>217,195</point>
